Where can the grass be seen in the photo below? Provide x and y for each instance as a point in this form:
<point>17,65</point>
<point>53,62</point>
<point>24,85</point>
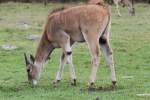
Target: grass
<point>130,42</point>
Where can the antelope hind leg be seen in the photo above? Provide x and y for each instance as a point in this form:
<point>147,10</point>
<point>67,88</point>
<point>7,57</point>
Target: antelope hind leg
<point>93,46</point>
<point>107,51</point>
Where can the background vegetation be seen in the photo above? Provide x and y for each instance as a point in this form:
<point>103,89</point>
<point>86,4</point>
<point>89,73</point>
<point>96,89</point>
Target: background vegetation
<point>58,0</point>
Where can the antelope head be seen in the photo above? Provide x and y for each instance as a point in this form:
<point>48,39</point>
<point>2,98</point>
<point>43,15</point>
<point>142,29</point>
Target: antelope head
<point>32,70</point>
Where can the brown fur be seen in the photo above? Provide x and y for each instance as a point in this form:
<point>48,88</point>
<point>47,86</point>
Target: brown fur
<point>62,21</point>
<point>77,24</point>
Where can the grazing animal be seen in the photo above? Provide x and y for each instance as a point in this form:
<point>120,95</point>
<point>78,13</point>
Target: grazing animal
<point>117,2</point>
<point>125,3</point>
<point>86,23</point>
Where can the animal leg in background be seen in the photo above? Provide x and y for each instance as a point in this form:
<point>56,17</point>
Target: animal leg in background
<point>117,7</point>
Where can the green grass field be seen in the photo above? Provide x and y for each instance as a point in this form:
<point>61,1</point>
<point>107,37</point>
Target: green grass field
<point>130,41</point>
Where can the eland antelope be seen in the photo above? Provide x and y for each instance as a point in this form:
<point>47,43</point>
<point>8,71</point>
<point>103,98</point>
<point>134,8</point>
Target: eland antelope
<point>125,3</point>
<point>86,23</point>
<point>117,2</point>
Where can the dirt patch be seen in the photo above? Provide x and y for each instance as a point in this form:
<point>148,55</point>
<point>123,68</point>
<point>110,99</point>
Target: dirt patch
<point>9,47</point>
<point>33,37</point>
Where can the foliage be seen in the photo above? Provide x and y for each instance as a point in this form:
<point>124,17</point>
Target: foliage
<point>60,0</point>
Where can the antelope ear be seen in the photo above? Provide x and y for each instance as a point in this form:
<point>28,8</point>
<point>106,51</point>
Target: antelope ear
<point>32,58</point>
<point>26,59</point>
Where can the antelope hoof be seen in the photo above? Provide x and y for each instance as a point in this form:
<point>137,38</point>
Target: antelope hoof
<point>119,15</point>
<point>114,83</point>
<point>91,85</point>
<point>55,83</point>
<point>74,82</point>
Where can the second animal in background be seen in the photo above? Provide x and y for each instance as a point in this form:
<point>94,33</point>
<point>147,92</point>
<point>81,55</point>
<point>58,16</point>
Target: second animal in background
<point>129,4</point>
<point>125,3</point>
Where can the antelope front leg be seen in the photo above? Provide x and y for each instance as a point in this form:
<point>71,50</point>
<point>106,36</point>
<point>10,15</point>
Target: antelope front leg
<point>118,11</point>
<point>117,7</point>
<point>61,68</point>
<point>68,53</point>
<point>71,68</point>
